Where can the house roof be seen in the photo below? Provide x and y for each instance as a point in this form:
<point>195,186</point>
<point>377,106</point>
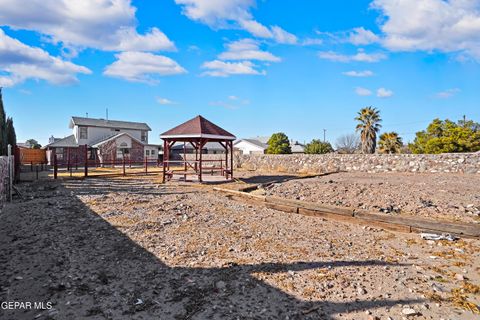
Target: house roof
<point>198,127</point>
<point>255,142</point>
<point>91,122</point>
<point>297,147</point>
<point>99,143</point>
<point>24,145</point>
<point>67,142</point>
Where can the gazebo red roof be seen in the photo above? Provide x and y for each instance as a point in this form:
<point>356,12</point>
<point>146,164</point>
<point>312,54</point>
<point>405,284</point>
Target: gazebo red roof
<point>198,127</point>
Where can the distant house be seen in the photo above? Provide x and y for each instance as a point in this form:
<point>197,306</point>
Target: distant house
<point>105,140</point>
<point>24,145</point>
<point>259,145</point>
<point>297,147</point>
<point>250,146</point>
<point>208,148</point>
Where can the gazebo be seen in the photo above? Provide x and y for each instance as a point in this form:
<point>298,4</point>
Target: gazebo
<point>197,132</point>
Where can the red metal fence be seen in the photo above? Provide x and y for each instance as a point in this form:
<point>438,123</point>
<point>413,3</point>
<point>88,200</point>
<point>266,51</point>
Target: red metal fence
<point>98,168</point>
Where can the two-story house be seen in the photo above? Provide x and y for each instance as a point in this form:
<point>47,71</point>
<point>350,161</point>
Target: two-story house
<point>103,140</point>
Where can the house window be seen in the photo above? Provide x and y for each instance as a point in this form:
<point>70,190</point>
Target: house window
<point>59,153</point>
<point>144,136</point>
<point>83,133</point>
<point>147,152</point>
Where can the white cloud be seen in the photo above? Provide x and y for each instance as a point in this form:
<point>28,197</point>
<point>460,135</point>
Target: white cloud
<point>360,56</point>
<point>256,28</point>
<point>232,97</point>
<point>363,91</point>
<point>223,14</point>
<point>384,93</point>
<point>447,93</point>
<point>312,42</point>
<point>361,36</point>
<point>20,62</point>
<point>217,68</point>
<point>282,36</point>
<point>142,67</point>
<point>359,74</point>
<point>246,49</point>
<point>99,24</point>
<point>430,25</point>
<point>165,101</point>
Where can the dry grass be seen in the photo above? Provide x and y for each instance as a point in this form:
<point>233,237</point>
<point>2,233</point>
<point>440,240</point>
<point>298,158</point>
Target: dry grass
<point>459,299</point>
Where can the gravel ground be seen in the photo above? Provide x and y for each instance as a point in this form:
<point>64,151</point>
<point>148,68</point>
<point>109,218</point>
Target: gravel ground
<point>135,249</point>
<point>453,197</point>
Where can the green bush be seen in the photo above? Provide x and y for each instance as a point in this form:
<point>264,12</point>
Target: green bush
<point>318,147</point>
<point>445,136</point>
<point>278,144</point>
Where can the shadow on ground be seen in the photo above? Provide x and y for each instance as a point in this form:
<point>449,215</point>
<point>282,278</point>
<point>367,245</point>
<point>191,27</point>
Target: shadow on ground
<point>56,249</point>
<point>268,179</point>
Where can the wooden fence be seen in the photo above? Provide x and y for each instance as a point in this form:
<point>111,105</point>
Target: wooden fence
<point>33,156</point>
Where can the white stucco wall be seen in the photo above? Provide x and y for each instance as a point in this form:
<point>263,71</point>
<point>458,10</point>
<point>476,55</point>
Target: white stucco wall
<point>248,148</point>
<point>153,152</point>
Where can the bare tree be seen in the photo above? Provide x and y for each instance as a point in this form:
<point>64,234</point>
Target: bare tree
<point>348,143</point>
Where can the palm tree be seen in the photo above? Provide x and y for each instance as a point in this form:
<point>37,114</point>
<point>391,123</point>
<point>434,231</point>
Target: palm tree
<point>390,142</point>
<point>369,124</point>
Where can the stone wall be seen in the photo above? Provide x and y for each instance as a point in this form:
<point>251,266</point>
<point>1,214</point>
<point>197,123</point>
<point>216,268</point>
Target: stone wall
<point>313,164</point>
<point>3,180</point>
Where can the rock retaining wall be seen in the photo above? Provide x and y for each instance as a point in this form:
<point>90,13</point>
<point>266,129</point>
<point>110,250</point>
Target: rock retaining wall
<point>313,164</point>
<point>3,180</point>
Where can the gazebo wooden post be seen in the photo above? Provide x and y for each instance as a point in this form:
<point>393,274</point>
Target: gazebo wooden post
<point>164,159</point>
<point>224,170</point>
<point>200,147</point>
<point>196,157</point>
<point>185,160</point>
<point>231,159</point>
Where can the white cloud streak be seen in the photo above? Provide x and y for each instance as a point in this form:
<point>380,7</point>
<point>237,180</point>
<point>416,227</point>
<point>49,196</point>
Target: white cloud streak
<point>361,36</point>
<point>20,62</point>
<point>451,26</point>
<point>224,14</point>
<point>358,74</point>
<point>447,93</point>
<point>217,68</point>
<point>99,24</point>
<point>360,56</point>
<point>165,101</point>
<point>142,67</point>
<point>384,93</point>
<point>363,91</point>
<point>247,49</point>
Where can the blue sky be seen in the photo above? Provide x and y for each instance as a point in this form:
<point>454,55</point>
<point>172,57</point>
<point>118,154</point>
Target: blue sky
<point>254,67</point>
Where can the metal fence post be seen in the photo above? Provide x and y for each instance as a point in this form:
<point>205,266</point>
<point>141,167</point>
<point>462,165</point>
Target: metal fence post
<point>86,161</point>
<point>55,166</point>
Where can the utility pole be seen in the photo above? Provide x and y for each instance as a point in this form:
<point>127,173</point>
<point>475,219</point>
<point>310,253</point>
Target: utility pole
<point>324,131</point>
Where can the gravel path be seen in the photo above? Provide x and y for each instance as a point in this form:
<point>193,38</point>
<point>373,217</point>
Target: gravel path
<point>134,249</point>
<point>453,197</point>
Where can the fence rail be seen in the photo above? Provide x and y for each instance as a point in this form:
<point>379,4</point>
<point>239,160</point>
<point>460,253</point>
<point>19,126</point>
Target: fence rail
<point>101,168</point>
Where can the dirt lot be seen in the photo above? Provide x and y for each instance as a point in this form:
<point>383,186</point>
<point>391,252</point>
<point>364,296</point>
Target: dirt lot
<point>135,249</point>
<point>453,197</point>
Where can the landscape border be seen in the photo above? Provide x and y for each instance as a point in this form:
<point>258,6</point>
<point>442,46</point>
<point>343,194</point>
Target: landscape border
<point>361,217</point>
